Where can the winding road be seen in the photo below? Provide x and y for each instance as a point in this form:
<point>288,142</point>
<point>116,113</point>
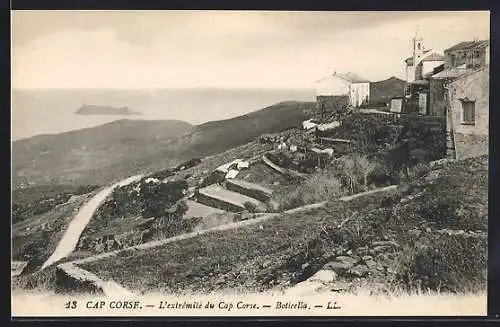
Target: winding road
<point>75,229</point>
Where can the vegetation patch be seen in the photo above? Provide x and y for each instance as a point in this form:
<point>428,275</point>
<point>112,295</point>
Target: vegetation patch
<point>35,238</point>
<point>137,213</point>
<point>36,200</point>
<point>369,238</point>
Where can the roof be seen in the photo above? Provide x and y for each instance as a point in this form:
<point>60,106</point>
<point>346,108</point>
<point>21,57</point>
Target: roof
<point>450,73</point>
<point>434,71</point>
<point>468,45</point>
<point>351,78</point>
<point>390,79</point>
<point>411,58</point>
<point>470,72</point>
<point>434,57</point>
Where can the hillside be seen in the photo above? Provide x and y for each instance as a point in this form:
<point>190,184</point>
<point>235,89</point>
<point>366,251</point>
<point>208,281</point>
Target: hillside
<point>105,153</point>
<point>414,239</point>
<point>214,137</point>
<point>94,155</point>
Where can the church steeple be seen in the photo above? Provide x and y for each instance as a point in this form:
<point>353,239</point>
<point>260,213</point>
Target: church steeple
<point>418,48</point>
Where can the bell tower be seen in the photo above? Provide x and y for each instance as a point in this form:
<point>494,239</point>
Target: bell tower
<point>418,48</point>
<point>418,54</point>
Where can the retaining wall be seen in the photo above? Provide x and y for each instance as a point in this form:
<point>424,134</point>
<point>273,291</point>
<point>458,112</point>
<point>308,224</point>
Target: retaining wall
<point>249,189</point>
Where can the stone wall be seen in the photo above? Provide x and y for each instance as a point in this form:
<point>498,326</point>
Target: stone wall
<point>469,145</point>
<point>437,106</point>
<point>471,139</point>
<point>252,191</point>
<point>217,203</point>
<point>67,282</point>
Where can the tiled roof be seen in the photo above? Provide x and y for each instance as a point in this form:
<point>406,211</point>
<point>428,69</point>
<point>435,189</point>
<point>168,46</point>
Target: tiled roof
<point>470,72</point>
<point>450,73</point>
<point>411,58</point>
<point>352,78</point>
<point>468,45</point>
<point>434,57</point>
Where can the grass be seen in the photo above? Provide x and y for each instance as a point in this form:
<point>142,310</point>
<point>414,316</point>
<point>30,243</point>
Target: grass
<point>38,236</point>
<point>36,200</point>
<point>316,188</point>
<point>256,254</point>
<point>287,249</point>
<point>121,215</point>
<point>260,174</point>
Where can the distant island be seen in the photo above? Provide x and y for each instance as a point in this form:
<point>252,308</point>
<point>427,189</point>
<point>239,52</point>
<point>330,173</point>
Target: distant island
<point>105,110</point>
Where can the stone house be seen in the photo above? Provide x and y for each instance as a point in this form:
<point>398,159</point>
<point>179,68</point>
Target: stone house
<point>459,59</point>
<point>468,114</point>
<point>381,92</point>
<point>467,54</point>
<point>340,88</point>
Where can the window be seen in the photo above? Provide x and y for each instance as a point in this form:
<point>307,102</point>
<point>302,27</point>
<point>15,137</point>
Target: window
<point>407,90</point>
<point>453,60</point>
<point>468,112</point>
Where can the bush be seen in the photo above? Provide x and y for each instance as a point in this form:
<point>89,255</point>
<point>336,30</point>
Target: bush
<point>159,197</point>
<point>250,207</point>
<point>354,171</point>
<point>447,263</point>
<point>214,177</point>
<point>316,188</point>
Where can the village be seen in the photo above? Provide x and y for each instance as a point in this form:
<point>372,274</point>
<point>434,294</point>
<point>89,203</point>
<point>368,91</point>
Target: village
<point>447,94</point>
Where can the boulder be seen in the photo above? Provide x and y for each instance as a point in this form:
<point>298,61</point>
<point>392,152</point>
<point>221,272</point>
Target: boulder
<point>341,263</point>
<point>379,249</point>
<point>371,264</point>
<point>323,276</point>
<point>347,259</point>
<point>385,243</point>
<point>359,271</point>
<point>367,258</point>
<point>415,232</point>
<point>432,175</point>
<point>340,286</point>
<point>392,269</point>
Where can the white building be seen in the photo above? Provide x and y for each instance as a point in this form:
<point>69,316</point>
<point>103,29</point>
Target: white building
<point>422,62</point>
<point>338,84</point>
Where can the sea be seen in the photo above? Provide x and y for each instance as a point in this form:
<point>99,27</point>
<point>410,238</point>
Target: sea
<point>36,112</point>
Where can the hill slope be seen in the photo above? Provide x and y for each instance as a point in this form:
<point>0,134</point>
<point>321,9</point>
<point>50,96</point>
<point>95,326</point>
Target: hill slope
<point>414,237</point>
<point>93,155</point>
<point>105,153</point>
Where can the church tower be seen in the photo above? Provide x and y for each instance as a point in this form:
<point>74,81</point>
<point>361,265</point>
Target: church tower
<point>418,54</point>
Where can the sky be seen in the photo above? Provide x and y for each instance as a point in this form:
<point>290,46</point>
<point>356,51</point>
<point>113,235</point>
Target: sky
<point>222,49</point>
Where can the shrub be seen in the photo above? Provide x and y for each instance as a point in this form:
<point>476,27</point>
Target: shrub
<point>316,188</point>
<point>447,263</point>
<point>250,207</point>
<point>158,198</point>
<point>214,177</point>
<point>354,171</point>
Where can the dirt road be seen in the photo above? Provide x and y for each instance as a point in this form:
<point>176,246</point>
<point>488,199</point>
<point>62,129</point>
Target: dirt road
<point>70,239</point>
